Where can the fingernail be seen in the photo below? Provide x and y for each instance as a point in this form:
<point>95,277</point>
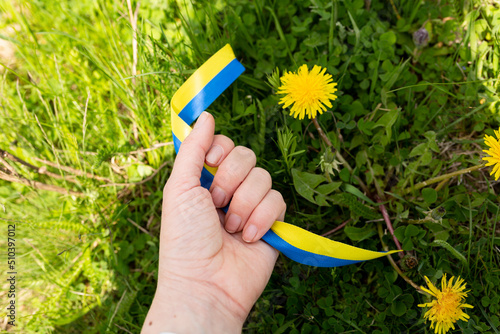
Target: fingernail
<point>203,117</point>
<point>250,233</point>
<point>233,223</point>
<point>214,154</point>
<point>218,196</point>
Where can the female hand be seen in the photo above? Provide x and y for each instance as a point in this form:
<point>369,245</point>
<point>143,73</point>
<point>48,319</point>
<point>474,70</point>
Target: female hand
<point>210,274</point>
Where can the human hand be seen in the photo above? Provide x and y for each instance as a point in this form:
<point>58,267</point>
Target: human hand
<point>208,278</point>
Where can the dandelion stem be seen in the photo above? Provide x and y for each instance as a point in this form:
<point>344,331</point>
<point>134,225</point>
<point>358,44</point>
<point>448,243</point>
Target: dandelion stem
<point>322,133</point>
<point>389,226</point>
<point>380,198</point>
<point>338,228</point>
<point>393,263</point>
<point>442,178</point>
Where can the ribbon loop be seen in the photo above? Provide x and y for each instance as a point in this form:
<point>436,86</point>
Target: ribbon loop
<point>192,98</point>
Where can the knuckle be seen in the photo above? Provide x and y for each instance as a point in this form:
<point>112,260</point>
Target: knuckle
<point>264,176</point>
<point>277,196</point>
<point>246,153</point>
<point>225,140</point>
<point>226,177</point>
<point>242,203</point>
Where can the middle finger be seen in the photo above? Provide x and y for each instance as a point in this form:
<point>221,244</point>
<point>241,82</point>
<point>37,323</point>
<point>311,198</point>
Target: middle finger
<point>232,171</point>
<point>246,198</point>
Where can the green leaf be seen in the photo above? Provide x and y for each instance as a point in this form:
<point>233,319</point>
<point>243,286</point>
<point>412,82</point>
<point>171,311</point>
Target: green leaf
<point>429,195</point>
<point>485,301</point>
<point>356,192</point>
<point>452,250</point>
<point>431,138</point>
<point>321,200</point>
<point>395,75</point>
<point>426,158</point>
<point>389,37</point>
<point>345,175</point>
<point>326,189</point>
<point>364,84</point>
<point>356,30</point>
<point>359,233</point>
<point>408,244</point>
<point>365,126</point>
<point>144,170</point>
<point>418,150</point>
<point>387,121</point>
<point>442,235</point>
<point>284,328</point>
<point>325,302</point>
<point>305,184</point>
<point>411,231</point>
<point>356,207</point>
<point>294,281</point>
<point>398,308</point>
<point>400,232</point>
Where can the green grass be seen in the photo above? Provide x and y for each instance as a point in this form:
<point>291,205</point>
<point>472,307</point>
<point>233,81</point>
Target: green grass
<point>71,102</point>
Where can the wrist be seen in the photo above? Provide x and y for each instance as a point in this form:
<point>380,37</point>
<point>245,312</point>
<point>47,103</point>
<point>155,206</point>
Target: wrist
<point>188,307</point>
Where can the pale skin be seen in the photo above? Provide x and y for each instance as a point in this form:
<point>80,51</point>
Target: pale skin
<point>213,266</point>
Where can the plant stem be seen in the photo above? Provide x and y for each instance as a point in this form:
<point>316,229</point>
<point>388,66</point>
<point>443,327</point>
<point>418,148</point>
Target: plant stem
<point>338,228</point>
<point>39,185</point>
<point>73,170</point>
<point>441,184</point>
<point>442,178</point>
<point>393,263</point>
<point>39,170</point>
<point>322,133</point>
<point>344,162</point>
<point>380,198</point>
<point>389,226</point>
<point>395,10</point>
<point>362,185</point>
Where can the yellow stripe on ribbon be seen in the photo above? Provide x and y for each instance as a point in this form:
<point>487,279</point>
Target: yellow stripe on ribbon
<point>192,98</point>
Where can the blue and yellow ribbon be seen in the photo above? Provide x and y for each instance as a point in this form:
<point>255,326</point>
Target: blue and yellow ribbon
<point>192,98</point>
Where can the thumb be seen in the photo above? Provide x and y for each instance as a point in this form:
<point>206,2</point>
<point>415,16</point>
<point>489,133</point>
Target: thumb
<point>191,157</point>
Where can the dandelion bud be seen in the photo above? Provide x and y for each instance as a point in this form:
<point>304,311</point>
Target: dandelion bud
<point>409,262</point>
<point>328,163</point>
<point>421,37</point>
<point>438,213</point>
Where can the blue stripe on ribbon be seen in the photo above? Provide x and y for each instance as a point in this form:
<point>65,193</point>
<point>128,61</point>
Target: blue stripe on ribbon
<point>177,143</point>
<point>211,91</point>
<point>206,178</point>
<point>303,256</point>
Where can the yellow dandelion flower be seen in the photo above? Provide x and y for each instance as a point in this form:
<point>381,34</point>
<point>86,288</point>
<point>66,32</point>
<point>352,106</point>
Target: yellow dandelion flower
<point>309,92</point>
<point>446,309</point>
<point>494,151</point>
